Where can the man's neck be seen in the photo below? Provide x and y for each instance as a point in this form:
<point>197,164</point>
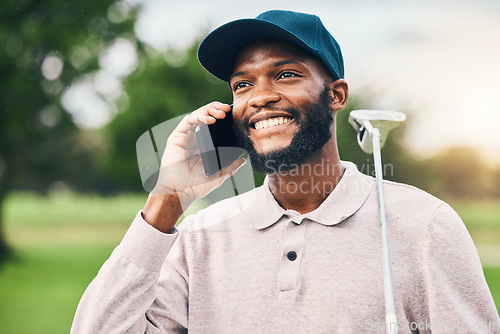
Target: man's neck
<point>306,186</point>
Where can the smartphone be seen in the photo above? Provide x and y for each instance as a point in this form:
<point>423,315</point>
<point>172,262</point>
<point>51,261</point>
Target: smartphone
<point>218,143</point>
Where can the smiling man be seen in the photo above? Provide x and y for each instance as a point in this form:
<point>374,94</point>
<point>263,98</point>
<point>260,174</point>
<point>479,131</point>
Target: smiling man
<point>301,253</point>
<point>284,106</point>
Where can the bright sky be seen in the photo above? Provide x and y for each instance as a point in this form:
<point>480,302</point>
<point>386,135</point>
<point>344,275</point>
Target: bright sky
<point>439,61</point>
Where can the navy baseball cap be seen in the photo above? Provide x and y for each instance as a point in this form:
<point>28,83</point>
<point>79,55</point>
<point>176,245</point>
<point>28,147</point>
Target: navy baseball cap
<point>218,50</point>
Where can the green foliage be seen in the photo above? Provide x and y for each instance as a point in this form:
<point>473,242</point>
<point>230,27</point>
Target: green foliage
<point>39,143</point>
<point>459,173</point>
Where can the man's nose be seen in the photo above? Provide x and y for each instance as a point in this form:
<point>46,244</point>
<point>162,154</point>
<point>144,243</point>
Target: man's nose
<point>263,94</point>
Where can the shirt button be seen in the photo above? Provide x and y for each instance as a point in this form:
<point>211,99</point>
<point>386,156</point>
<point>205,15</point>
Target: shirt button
<point>292,256</point>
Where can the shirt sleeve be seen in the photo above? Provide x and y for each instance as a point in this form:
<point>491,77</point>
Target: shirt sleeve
<point>123,297</point>
<point>458,297</point>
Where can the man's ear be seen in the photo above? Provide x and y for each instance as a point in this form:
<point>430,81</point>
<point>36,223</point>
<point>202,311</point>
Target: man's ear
<point>340,93</point>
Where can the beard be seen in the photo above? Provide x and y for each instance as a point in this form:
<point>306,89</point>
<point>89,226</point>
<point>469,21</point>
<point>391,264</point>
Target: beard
<point>314,131</point>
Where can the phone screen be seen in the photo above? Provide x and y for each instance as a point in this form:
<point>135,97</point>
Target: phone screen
<point>218,144</point>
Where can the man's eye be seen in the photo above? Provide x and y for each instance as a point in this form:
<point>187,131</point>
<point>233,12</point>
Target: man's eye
<point>239,85</point>
<point>287,74</point>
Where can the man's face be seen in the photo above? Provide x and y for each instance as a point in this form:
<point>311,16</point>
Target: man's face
<point>282,105</point>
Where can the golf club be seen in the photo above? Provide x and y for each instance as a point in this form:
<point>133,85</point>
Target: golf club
<point>373,127</point>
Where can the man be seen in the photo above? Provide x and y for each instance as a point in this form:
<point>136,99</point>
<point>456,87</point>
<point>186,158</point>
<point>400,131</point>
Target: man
<point>301,253</point>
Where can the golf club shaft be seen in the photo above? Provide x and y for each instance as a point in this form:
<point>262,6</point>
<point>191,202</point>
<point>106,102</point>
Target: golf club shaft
<point>390,310</point>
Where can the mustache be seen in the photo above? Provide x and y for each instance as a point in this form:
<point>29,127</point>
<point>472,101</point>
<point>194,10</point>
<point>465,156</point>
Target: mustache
<point>245,121</point>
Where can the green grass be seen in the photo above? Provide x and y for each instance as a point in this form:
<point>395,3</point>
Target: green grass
<point>492,275</point>
<point>40,289</point>
<point>485,214</point>
<point>482,220</point>
<point>61,242</point>
<point>27,209</point>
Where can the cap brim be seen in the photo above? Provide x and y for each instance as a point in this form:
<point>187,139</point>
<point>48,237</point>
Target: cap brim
<point>218,50</point>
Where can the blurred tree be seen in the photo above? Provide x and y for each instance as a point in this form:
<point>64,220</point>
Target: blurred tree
<point>46,45</point>
<point>495,182</point>
<point>459,173</point>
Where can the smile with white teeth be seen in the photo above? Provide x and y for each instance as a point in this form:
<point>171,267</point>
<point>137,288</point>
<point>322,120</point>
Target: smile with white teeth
<point>269,123</point>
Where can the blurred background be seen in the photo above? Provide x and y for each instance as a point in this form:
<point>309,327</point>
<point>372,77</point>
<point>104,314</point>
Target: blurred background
<point>82,80</point>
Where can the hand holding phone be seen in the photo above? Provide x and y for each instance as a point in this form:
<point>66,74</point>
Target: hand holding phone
<point>174,166</point>
<point>218,143</point>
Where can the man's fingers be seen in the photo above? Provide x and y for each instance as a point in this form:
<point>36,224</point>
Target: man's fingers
<point>192,120</point>
<point>232,168</point>
<point>216,112</point>
<point>183,135</point>
<point>207,114</point>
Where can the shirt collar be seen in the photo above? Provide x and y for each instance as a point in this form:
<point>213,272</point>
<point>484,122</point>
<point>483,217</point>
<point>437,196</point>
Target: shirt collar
<point>348,197</point>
